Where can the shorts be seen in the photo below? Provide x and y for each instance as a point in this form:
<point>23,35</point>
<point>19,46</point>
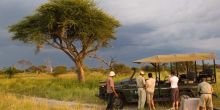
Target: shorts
<point>150,96</point>
<point>175,94</point>
<point>206,100</point>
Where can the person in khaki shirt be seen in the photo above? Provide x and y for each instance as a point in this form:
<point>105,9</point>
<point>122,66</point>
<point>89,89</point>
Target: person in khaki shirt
<point>205,90</point>
<point>141,90</point>
<point>150,86</point>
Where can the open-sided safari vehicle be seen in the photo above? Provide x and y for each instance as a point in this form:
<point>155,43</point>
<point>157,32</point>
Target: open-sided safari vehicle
<point>188,80</point>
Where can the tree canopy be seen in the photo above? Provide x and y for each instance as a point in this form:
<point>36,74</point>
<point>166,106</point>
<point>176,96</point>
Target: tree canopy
<point>77,27</point>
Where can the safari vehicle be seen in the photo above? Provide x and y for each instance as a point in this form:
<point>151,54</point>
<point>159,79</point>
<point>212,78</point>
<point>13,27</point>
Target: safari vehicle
<point>188,81</point>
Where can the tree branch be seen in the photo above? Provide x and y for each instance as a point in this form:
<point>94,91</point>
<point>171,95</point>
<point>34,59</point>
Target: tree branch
<point>93,49</point>
<point>53,45</point>
<point>108,63</point>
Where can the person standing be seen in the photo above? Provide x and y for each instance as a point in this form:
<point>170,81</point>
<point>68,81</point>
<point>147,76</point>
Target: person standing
<point>110,90</point>
<point>174,90</point>
<point>141,90</point>
<point>205,90</point>
<point>150,86</point>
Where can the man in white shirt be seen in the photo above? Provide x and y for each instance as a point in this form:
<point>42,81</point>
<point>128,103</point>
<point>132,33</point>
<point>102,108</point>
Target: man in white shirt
<point>174,90</point>
<point>150,86</point>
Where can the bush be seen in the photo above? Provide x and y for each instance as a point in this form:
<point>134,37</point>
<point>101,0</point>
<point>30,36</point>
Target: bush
<point>101,70</point>
<point>33,69</point>
<point>148,68</point>
<point>10,71</point>
<point>121,68</point>
<point>59,70</point>
<point>42,68</point>
<point>1,71</point>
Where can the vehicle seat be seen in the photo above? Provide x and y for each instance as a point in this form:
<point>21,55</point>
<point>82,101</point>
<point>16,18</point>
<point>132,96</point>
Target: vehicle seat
<point>207,73</point>
<point>191,76</point>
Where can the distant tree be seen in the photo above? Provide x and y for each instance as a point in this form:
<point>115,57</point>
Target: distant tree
<point>10,71</point>
<point>59,70</point>
<point>49,67</point>
<point>107,62</point>
<point>32,69</point>
<point>182,66</point>
<point>77,27</point>
<point>148,68</point>
<point>120,68</point>
<point>1,71</point>
<point>24,64</point>
<point>42,68</point>
<point>218,66</point>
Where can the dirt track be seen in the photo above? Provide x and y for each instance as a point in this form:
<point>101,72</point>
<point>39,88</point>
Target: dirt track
<point>75,105</point>
<point>80,106</point>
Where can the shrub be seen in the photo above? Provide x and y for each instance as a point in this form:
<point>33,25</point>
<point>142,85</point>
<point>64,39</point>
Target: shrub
<point>59,70</point>
<point>10,71</point>
<point>1,71</point>
<point>148,68</point>
<point>42,68</point>
<point>33,69</point>
<point>121,68</point>
<point>101,70</point>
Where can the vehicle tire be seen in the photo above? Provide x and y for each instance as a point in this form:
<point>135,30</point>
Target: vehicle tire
<point>118,103</point>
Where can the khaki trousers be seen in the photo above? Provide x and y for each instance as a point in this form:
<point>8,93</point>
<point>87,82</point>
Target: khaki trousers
<point>141,98</point>
<point>206,100</point>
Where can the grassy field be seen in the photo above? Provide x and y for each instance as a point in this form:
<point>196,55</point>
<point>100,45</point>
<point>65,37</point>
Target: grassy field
<point>63,87</point>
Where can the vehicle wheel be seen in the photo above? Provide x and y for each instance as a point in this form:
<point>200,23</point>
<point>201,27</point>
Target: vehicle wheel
<point>118,103</point>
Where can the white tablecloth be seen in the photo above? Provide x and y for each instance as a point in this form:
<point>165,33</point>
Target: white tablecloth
<point>189,104</point>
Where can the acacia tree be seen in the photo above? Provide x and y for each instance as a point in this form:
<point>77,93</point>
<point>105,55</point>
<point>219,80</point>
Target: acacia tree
<point>24,63</point>
<point>77,27</point>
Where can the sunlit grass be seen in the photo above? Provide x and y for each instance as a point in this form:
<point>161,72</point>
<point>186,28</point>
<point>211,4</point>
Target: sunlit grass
<point>55,88</point>
<point>216,88</point>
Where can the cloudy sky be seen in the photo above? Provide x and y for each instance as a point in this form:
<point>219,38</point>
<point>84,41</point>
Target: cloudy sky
<point>149,27</point>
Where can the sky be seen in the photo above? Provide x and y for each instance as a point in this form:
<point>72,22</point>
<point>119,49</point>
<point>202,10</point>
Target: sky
<point>148,27</point>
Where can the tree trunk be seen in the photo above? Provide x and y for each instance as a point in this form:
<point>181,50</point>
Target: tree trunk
<point>80,72</point>
<point>79,65</point>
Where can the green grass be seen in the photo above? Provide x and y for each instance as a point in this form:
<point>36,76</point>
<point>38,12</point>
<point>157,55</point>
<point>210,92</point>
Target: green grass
<point>66,87</point>
<point>216,88</point>
<point>54,88</point>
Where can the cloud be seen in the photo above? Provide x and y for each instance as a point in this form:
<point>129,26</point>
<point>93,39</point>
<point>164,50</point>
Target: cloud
<point>14,10</point>
<point>149,27</point>
<point>182,22</point>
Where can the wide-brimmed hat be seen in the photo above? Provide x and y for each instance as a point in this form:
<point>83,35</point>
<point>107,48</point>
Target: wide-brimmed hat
<point>111,73</point>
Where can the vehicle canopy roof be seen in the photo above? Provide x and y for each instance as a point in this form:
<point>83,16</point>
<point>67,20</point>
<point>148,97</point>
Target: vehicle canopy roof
<point>177,58</point>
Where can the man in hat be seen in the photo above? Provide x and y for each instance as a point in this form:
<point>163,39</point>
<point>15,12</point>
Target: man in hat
<point>141,90</point>
<point>110,90</point>
<point>205,90</point>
